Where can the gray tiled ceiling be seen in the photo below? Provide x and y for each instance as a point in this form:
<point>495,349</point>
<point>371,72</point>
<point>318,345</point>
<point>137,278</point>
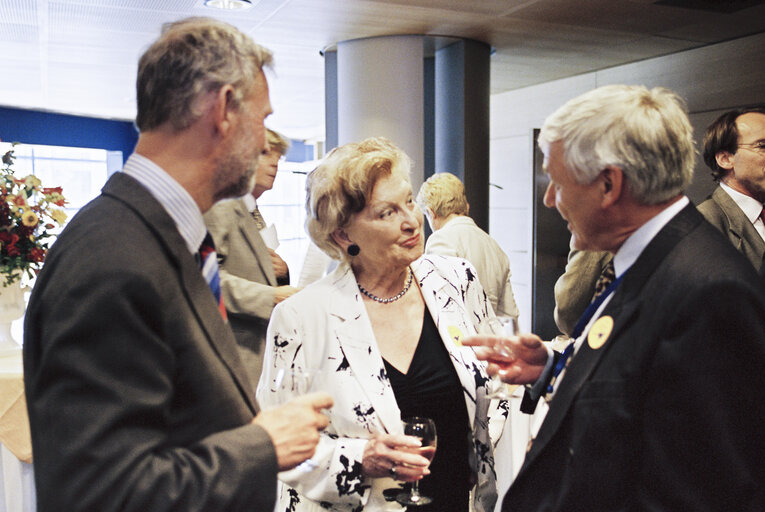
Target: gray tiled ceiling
<point>79,56</point>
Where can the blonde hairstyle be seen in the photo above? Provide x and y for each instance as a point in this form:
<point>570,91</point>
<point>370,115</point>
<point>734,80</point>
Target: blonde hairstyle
<point>277,141</point>
<point>192,58</point>
<point>646,133</point>
<point>342,184</point>
<point>444,194</point>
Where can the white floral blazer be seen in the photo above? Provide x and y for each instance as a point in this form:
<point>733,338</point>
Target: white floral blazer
<point>326,327</point>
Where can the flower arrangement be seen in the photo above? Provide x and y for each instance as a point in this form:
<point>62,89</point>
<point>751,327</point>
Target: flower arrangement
<point>27,215</point>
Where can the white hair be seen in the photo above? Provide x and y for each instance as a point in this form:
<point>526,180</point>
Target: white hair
<point>646,133</point>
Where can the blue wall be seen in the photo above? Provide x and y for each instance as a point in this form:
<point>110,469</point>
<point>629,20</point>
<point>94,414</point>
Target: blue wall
<point>33,127</point>
<point>299,151</point>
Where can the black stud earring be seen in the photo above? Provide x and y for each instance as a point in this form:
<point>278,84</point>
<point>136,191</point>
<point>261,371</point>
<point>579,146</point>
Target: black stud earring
<point>353,250</point>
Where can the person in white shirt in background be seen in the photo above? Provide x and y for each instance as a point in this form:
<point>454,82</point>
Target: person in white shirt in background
<point>442,199</point>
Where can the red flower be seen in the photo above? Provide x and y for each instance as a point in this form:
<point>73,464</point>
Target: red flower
<point>9,243</point>
<point>36,254</point>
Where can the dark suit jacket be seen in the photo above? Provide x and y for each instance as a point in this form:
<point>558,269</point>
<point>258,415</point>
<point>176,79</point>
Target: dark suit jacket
<point>723,213</point>
<point>137,398</point>
<point>247,279</point>
<point>667,414</point>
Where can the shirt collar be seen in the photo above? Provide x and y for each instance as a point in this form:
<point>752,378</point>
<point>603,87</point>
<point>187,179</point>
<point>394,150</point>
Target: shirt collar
<point>631,249</point>
<point>172,196</point>
<point>749,205</point>
<point>249,202</point>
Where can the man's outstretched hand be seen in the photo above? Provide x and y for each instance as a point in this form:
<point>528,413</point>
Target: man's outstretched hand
<point>525,363</point>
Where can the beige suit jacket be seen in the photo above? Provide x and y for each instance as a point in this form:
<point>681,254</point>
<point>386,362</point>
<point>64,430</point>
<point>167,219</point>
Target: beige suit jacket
<point>247,278</point>
<point>461,237</point>
<point>723,213</point>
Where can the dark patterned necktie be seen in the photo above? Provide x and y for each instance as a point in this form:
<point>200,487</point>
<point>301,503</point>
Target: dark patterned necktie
<point>208,261</point>
<point>607,277</point>
<point>258,219</point>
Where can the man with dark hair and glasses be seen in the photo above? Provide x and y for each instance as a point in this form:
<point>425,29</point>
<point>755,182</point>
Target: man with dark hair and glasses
<point>734,148</point>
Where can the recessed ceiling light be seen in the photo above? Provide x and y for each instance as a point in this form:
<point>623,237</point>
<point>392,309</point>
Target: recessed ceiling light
<point>228,4</point>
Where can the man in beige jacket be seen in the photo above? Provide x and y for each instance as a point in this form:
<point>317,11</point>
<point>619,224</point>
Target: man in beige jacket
<point>253,277</point>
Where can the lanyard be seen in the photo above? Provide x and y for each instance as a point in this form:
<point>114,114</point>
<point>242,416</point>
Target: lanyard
<point>580,325</point>
<point>593,307</point>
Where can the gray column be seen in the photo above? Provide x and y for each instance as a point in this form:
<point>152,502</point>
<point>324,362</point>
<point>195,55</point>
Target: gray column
<point>330,99</point>
<point>462,120</point>
<point>379,89</point>
<point>428,94</point>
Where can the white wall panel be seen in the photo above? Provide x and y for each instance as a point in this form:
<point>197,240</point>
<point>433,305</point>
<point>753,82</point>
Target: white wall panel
<point>713,78</point>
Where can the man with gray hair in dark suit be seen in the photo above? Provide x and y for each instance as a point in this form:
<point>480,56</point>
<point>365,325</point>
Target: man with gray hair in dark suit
<point>137,398</point>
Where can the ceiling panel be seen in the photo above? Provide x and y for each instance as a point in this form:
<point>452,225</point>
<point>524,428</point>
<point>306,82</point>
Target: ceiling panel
<point>79,56</point>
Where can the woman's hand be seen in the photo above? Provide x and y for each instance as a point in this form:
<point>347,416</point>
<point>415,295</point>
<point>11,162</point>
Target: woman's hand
<point>395,457</point>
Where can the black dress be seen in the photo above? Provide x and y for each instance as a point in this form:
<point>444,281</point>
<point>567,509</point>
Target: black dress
<point>431,388</point>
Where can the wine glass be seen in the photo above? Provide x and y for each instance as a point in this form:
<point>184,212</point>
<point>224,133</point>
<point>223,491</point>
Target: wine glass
<point>501,328</point>
<point>292,383</point>
<point>425,430</point>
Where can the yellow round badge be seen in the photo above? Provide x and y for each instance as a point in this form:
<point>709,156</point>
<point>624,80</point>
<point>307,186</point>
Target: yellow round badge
<point>456,334</point>
<point>600,332</point>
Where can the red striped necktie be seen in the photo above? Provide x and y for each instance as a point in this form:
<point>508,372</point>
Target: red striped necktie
<point>209,265</point>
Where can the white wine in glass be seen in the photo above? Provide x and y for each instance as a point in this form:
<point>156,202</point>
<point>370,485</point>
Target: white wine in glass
<point>502,327</point>
<point>425,430</point>
<point>292,383</point>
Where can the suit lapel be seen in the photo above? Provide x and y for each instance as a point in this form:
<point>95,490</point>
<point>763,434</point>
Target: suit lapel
<point>251,234</point>
<point>747,239</point>
<point>354,333</point>
<point>446,306</point>
<point>623,308</point>
<point>195,288</point>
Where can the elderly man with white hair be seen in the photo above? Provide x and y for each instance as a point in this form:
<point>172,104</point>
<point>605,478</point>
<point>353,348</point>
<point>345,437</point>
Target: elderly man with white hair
<point>656,405</point>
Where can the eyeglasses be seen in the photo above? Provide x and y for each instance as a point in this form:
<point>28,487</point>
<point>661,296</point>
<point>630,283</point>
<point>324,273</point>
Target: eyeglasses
<point>758,146</point>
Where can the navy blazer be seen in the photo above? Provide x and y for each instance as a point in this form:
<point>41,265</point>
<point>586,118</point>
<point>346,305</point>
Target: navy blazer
<point>667,413</point>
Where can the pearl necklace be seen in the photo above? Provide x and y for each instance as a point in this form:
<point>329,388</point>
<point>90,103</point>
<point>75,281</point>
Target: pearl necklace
<point>389,299</point>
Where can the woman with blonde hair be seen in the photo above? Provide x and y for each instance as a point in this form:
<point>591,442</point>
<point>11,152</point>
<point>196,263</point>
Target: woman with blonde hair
<point>384,330</point>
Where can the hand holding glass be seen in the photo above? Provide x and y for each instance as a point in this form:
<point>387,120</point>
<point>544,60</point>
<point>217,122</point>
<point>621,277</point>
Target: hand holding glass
<point>500,328</point>
<point>425,430</point>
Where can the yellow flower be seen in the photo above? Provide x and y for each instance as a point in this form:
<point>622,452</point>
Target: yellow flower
<point>29,218</point>
<point>59,216</point>
<point>32,181</point>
